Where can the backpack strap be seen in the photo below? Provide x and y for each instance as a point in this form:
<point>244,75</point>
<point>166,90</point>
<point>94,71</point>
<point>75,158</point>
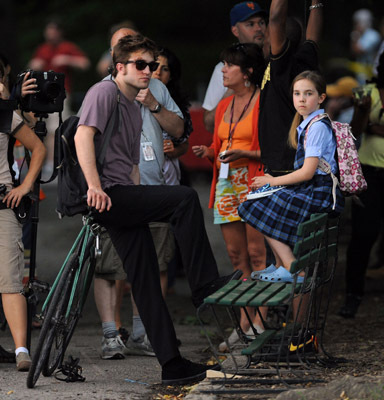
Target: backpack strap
<point>116,116</point>
<point>324,165</point>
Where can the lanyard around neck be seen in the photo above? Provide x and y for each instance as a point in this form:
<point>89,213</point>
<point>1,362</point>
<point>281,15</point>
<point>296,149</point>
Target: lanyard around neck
<point>232,129</point>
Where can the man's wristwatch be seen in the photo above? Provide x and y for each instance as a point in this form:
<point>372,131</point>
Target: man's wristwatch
<point>157,109</point>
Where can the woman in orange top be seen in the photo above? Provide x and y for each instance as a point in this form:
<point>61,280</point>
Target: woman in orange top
<point>235,153</point>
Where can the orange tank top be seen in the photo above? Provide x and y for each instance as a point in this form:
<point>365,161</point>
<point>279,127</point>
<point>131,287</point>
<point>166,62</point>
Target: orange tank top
<point>242,139</point>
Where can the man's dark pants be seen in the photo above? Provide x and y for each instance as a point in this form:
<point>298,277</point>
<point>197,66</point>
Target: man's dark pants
<point>133,207</point>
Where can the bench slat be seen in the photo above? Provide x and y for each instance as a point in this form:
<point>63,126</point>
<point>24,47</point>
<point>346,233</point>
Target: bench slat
<point>258,342</point>
<point>268,293</point>
<point>231,297</point>
<point>259,288</point>
<point>215,297</point>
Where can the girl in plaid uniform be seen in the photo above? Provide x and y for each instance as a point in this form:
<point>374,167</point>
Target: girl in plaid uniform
<point>286,201</point>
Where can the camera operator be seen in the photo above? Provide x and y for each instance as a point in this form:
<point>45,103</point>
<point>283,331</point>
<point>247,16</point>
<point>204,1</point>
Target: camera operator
<point>11,246</point>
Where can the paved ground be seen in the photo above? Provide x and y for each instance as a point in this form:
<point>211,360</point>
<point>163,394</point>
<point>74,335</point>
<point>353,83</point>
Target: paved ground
<point>139,377</point>
<point>104,379</point>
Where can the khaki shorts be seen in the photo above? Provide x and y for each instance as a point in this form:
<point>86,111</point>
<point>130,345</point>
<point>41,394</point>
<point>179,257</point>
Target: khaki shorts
<point>11,253</point>
<point>164,243</point>
<point>109,266</point>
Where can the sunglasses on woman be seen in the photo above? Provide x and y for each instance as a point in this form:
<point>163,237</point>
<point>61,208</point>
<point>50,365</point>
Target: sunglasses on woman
<point>141,65</point>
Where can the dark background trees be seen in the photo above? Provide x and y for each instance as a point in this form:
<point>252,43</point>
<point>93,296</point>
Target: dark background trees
<point>195,30</point>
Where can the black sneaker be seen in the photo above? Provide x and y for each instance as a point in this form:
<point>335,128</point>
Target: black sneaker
<point>306,343</point>
<point>212,287</point>
<point>351,306</point>
<point>181,371</point>
<point>6,356</point>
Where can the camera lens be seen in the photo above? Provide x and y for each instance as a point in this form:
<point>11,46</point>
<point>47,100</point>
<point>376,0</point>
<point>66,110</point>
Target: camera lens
<point>50,90</point>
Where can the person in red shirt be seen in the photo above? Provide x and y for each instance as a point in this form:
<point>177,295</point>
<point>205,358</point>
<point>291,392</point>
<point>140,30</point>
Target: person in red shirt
<point>62,56</point>
<point>58,54</point>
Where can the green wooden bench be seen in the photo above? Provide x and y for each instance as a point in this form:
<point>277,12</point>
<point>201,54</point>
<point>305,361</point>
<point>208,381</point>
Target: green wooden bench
<point>316,256</point>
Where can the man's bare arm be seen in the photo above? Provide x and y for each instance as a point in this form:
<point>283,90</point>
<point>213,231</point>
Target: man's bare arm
<point>85,150</point>
<point>135,174</point>
<point>168,120</point>
<point>315,22</point>
<point>209,120</point>
<point>277,25</point>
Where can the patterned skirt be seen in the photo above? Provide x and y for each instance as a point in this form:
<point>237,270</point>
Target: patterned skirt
<point>229,194</point>
<point>278,215</point>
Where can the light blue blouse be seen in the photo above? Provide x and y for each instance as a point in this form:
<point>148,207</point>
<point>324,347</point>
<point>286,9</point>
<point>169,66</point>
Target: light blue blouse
<point>321,141</point>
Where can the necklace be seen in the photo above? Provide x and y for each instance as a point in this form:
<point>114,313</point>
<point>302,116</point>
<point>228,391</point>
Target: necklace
<point>232,129</point>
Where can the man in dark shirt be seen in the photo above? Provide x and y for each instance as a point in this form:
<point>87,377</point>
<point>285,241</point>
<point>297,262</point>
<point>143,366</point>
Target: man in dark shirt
<point>288,58</point>
<point>125,207</point>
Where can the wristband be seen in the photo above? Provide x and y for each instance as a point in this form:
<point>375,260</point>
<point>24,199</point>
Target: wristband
<point>318,5</point>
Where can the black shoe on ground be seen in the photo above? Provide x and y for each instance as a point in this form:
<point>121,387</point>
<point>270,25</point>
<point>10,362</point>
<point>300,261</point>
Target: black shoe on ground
<point>349,309</point>
<point>180,371</point>
<point>212,287</point>
<point>6,356</point>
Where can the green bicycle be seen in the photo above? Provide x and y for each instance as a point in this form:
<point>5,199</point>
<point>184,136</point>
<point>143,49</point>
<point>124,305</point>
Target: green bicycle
<point>64,303</point>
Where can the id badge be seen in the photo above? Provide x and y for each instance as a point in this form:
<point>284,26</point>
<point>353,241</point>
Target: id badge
<point>148,153</point>
<point>224,170</point>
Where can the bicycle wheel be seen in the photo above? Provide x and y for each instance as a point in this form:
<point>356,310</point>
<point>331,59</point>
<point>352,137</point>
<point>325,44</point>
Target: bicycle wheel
<point>67,325</point>
<point>52,316</point>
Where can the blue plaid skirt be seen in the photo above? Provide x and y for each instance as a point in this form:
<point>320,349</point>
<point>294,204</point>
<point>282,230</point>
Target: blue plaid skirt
<point>278,215</point>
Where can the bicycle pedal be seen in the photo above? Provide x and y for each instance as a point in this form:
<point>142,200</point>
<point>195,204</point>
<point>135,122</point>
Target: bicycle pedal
<point>71,370</point>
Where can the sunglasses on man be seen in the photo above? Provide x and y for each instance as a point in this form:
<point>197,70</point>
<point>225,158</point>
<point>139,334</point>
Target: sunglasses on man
<point>141,65</point>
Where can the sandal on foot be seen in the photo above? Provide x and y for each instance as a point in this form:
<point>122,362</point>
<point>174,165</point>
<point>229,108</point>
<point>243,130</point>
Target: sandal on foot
<point>256,274</point>
<point>280,275</point>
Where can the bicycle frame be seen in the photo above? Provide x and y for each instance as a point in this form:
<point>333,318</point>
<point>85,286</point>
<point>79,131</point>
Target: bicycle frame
<point>89,232</point>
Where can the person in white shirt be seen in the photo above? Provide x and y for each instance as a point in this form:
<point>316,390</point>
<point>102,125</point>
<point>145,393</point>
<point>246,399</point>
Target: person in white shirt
<point>248,25</point>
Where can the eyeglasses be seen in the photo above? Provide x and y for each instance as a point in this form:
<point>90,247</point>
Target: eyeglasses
<point>141,65</point>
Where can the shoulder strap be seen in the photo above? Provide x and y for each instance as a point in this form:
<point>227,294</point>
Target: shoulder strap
<point>116,116</point>
<point>324,166</point>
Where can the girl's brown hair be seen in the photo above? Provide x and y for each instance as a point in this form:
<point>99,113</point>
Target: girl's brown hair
<point>321,87</point>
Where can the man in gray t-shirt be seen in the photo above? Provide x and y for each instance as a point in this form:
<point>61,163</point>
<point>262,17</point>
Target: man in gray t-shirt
<point>125,208</point>
<point>123,151</point>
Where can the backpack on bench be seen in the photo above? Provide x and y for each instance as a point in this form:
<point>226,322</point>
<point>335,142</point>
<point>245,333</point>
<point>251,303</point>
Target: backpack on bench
<point>351,180</point>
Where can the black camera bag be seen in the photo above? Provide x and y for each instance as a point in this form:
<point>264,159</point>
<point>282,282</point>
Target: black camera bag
<point>72,186</point>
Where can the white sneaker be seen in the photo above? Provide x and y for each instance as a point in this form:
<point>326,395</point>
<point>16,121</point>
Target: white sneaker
<point>112,348</point>
<point>232,340</point>
<point>139,347</point>
<point>251,335</point>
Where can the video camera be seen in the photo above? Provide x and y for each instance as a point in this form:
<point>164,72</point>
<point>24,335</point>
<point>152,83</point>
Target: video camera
<point>50,94</point>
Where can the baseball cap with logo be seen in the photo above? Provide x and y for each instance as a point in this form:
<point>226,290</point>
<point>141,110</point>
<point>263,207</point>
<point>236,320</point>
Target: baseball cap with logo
<point>242,11</point>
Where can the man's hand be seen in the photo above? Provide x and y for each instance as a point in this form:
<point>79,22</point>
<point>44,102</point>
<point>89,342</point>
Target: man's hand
<point>146,98</point>
<point>98,199</point>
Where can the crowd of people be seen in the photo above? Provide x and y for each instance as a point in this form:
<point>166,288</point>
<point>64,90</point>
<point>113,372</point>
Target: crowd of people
<point>265,154</point>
